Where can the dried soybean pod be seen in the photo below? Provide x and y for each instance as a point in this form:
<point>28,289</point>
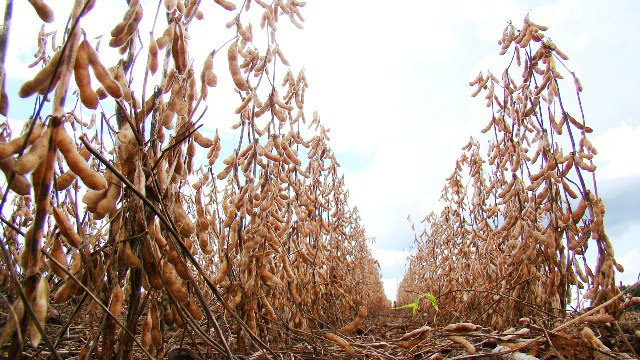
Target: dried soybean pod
<point>34,156</point>
<point>128,16</point>
<point>146,331</point>
<point>246,34</point>
<point>179,50</point>
<point>180,6</point>
<point>270,279</point>
<point>208,77</point>
<point>190,10</point>
<point>183,223</point>
<point>177,318</point>
<point>191,152</point>
<point>92,198</point>
<point>110,85</point>
<point>234,68</point>
<point>13,146</point>
<point>193,310</point>
<point>102,94</point>
<point>281,56</point>
<point>181,268</point>
<point>108,204</point>
<point>66,229</point>
<point>577,214</point>
<point>415,332</point>
<point>215,150</point>
<point>154,232</point>
<point>170,5</point>
<point>153,56</point>
<point>289,153</point>
<point>577,82</point>
<point>340,342</point>
<point>588,335</point>
<point>462,341</point>
<point>362,313</point>
<point>225,172</point>
<point>58,254</point>
<point>201,140</point>
<point>562,55</point>
<point>568,189</point>
<point>163,40</point>
<point>271,314</point>
<point>130,28</point>
<point>156,334</point>
<point>244,103</point>
<point>117,296</point>
<point>462,327</point>
<point>227,5</point>
<point>76,162</point>
<point>81,73</point>
<point>14,315</point>
<point>583,165</point>
<point>407,344</point>
<point>129,258</point>
<point>167,314</point>
<point>41,80</point>
<point>64,181</point>
<point>20,185</point>
<point>173,283</point>
<point>40,307</point>
<point>222,272</point>
<point>150,264</point>
<point>598,319</point>
<point>44,11</point>
<point>65,292</point>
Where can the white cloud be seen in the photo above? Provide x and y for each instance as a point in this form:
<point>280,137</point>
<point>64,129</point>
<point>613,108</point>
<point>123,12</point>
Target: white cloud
<point>392,264</point>
<point>617,152</point>
<point>391,287</point>
<point>390,258</point>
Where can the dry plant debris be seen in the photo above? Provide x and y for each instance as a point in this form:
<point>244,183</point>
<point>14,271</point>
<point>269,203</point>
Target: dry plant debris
<point>128,244</point>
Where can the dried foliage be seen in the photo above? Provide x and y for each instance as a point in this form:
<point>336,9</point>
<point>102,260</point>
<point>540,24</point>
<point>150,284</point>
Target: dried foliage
<point>141,232</point>
<point>516,224</point>
<point>155,239</point>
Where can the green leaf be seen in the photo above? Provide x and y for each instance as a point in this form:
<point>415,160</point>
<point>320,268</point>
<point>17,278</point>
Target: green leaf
<point>413,306</point>
<point>416,303</point>
<point>433,300</point>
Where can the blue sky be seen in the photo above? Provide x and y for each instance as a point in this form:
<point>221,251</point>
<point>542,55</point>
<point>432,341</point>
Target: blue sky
<point>390,80</point>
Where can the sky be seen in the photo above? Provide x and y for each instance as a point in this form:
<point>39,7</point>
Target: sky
<point>391,81</point>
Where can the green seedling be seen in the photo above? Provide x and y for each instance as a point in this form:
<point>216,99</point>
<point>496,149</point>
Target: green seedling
<point>414,305</point>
